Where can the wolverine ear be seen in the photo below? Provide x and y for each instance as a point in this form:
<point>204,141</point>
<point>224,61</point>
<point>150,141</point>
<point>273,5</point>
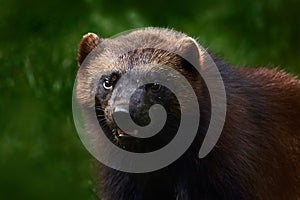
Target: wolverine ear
<point>87,44</point>
<point>189,49</point>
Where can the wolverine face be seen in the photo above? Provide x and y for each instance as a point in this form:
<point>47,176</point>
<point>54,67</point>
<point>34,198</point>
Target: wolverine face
<point>143,92</point>
<point>111,95</point>
<point>110,60</point>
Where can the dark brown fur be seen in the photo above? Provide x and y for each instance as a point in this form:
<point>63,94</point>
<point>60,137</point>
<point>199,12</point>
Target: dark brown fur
<point>87,44</point>
<point>257,155</point>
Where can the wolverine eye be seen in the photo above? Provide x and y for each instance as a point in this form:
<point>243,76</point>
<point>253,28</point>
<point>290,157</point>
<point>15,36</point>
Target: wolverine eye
<point>155,87</point>
<point>110,81</point>
<point>107,85</point>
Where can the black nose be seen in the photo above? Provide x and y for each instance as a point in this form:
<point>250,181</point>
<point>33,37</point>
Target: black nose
<point>121,113</point>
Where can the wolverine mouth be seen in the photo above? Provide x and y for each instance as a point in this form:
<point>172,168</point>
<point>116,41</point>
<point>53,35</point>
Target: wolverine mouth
<point>131,139</point>
<point>120,134</point>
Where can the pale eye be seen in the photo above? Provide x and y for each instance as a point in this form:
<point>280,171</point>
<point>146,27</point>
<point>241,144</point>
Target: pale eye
<point>107,85</point>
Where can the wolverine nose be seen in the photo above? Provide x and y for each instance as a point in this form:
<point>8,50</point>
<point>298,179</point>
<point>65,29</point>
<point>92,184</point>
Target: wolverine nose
<point>121,113</point>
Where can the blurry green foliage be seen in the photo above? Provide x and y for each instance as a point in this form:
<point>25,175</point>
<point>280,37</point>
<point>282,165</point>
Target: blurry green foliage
<point>41,156</point>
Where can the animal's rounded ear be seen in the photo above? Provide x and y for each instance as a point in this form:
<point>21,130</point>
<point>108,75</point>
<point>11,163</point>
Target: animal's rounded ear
<point>87,44</point>
<point>189,49</point>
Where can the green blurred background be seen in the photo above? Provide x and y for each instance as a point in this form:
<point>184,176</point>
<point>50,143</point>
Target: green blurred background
<point>41,156</point>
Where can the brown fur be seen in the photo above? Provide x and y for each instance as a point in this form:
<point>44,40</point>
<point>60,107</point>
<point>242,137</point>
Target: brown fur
<point>87,44</point>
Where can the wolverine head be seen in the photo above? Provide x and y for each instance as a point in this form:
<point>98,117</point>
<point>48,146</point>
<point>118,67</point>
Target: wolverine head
<point>122,76</point>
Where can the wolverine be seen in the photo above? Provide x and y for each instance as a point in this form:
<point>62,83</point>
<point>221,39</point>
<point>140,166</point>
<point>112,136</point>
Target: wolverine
<point>258,153</point>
